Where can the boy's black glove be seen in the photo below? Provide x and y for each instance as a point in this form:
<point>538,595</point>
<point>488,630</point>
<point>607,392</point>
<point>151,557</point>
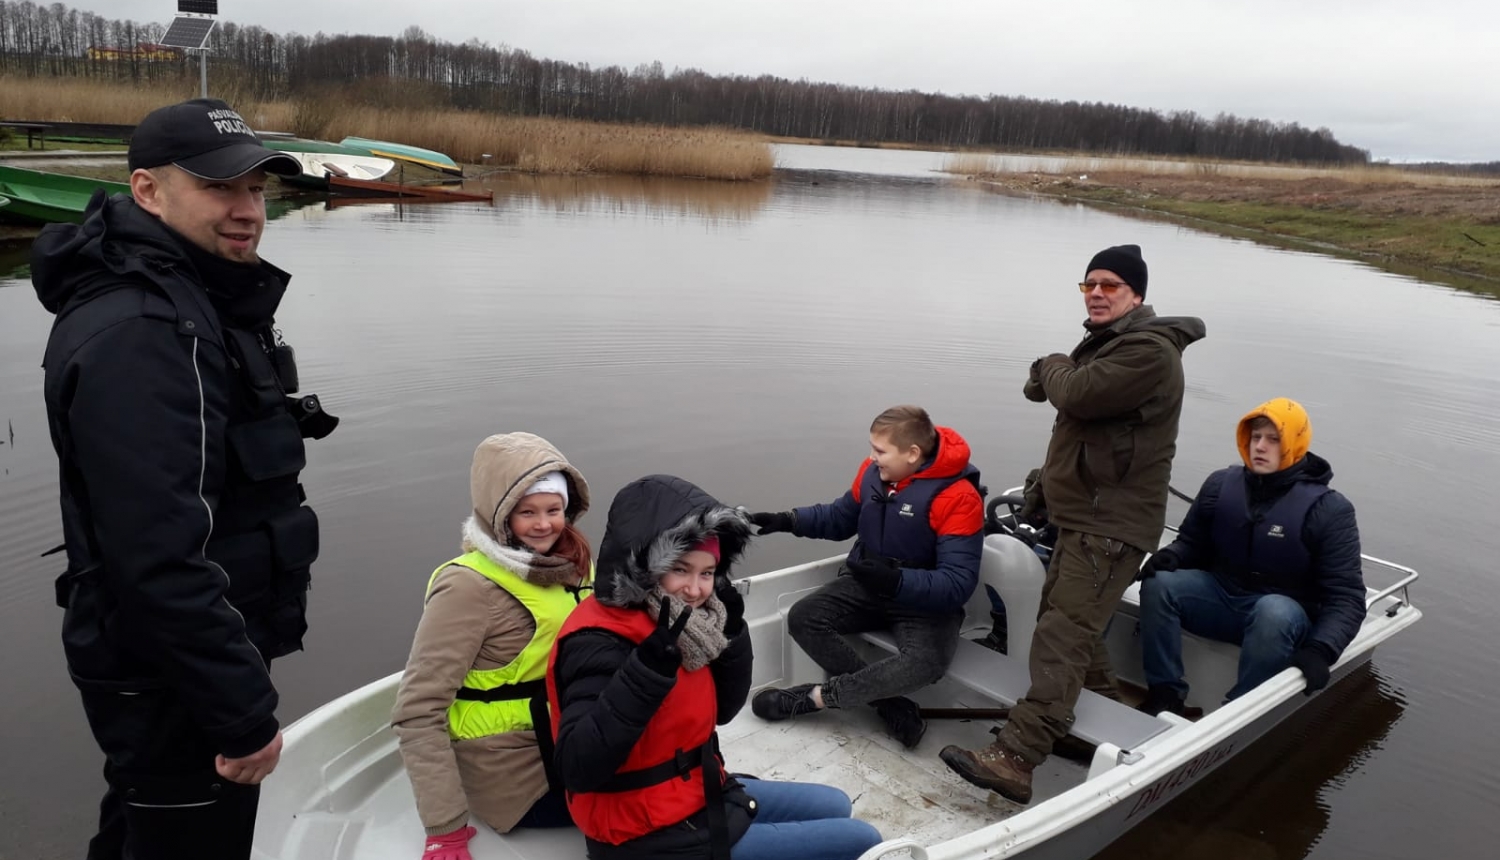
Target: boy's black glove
<point>882,576</point>
<point>1314,665</point>
<point>781,521</point>
<point>734,606</point>
<point>1162,559</point>
<point>659,651</point>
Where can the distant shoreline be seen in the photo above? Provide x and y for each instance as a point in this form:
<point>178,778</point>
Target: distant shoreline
<point>1435,227</point>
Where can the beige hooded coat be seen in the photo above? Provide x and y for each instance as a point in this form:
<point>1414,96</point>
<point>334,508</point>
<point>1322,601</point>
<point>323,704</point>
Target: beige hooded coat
<point>470,622</point>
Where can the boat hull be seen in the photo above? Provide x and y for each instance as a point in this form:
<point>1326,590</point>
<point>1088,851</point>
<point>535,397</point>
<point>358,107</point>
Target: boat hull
<point>37,197</point>
<point>401,152</point>
<point>300,144</point>
<point>319,167</point>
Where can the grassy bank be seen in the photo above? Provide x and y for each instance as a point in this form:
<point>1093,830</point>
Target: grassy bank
<point>1392,217</point>
<point>530,144</point>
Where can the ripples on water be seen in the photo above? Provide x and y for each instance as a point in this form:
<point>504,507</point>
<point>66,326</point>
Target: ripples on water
<point>743,336</point>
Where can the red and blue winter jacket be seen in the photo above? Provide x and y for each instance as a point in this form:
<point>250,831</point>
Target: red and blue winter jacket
<point>932,523</point>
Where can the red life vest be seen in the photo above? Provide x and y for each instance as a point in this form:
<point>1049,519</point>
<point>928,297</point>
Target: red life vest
<point>684,723</point>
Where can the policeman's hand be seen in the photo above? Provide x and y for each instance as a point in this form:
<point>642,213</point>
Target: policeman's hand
<point>1162,559</point>
<point>659,651</point>
<point>734,606</point>
<point>1314,665</point>
<point>882,576</point>
<point>769,524</point>
<point>253,768</point>
<point>449,846</point>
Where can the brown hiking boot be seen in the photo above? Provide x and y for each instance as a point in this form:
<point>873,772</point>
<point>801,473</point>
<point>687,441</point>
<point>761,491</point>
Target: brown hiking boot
<point>994,767</point>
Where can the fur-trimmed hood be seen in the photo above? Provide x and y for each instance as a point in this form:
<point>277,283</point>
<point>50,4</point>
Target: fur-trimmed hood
<point>505,466</point>
<point>652,522</point>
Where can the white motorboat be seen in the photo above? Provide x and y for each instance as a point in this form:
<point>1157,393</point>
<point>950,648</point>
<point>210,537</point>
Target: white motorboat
<point>340,792</point>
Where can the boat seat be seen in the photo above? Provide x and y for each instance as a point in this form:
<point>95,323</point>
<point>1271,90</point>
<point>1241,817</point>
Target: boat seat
<point>1006,679</point>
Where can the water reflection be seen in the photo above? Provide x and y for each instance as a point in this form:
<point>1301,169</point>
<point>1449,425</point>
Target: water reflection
<point>1277,797</point>
<point>620,195</point>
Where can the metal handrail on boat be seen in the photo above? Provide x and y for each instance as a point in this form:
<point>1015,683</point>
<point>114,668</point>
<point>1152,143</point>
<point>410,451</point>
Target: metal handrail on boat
<point>1402,585</point>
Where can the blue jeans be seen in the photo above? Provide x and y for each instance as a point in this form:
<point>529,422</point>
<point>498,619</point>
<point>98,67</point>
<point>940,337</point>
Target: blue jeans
<point>803,820</point>
<point>1267,627</point>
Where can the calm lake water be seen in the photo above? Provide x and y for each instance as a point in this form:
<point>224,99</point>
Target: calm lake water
<point>743,337</point>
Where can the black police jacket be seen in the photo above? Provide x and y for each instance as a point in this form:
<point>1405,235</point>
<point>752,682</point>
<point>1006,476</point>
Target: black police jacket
<point>188,545</point>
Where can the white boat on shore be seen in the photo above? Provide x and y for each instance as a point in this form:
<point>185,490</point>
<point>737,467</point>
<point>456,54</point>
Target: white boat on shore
<point>340,792</point>
<point>317,167</point>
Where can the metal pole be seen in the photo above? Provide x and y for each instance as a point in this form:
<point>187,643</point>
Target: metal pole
<point>203,71</point>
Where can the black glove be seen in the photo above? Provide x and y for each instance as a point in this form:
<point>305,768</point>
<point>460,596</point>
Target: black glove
<point>659,651</point>
<point>734,606</point>
<point>772,523</point>
<point>1162,559</point>
<point>882,576</point>
<point>1036,372</point>
<point>1314,665</point>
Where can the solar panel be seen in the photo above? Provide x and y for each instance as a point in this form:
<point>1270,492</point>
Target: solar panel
<point>190,33</point>
<point>202,7</point>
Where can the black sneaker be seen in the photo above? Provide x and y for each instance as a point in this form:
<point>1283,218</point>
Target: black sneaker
<point>1162,697</point>
<point>776,703</point>
<point>903,719</point>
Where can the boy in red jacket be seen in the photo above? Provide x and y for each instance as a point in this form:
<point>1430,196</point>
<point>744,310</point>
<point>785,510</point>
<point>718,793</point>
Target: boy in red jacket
<point>916,508</point>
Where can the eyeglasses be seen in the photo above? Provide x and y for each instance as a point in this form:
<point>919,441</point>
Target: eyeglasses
<point>1109,287</point>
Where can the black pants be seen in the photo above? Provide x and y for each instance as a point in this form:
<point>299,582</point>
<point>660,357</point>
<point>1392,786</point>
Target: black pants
<point>925,642</point>
<point>165,801</point>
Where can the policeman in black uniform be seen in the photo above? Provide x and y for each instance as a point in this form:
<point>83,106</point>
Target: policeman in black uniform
<point>172,403</point>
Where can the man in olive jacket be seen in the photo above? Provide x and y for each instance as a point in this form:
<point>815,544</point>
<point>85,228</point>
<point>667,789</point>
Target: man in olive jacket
<point>1118,396</point>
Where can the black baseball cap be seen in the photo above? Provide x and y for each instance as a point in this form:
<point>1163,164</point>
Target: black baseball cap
<point>206,138</point>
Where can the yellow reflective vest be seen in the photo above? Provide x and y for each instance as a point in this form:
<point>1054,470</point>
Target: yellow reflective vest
<point>499,700</point>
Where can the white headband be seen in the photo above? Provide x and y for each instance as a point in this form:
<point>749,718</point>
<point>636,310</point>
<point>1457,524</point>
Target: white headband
<point>552,482</point>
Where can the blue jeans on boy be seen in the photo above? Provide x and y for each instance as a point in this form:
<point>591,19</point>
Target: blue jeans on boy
<point>1267,627</point>
<point>803,820</point>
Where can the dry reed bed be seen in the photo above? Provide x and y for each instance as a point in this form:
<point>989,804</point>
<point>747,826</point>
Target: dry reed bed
<point>532,144</point>
<point>994,166</point>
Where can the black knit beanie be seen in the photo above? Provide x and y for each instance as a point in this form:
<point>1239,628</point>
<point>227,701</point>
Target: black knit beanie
<point>1125,261</point>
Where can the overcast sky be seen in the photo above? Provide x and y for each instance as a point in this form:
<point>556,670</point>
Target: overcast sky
<point>1405,79</point>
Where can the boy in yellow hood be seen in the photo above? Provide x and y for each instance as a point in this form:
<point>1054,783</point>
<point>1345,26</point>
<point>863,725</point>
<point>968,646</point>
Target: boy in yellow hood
<point>1267,558</point>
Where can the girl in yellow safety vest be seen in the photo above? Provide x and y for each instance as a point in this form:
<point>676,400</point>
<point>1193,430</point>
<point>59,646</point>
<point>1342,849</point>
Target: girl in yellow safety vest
<point>471,710</point>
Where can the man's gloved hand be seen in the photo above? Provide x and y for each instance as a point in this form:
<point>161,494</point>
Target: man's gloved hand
<point>659,651</point>
<point>449,846</point>
<point>1033,510</point>
<point>1162,559</point>
<point>1314,665</point>
<point>882,576</point>
<point>771,523</point>
<point>734,606</point>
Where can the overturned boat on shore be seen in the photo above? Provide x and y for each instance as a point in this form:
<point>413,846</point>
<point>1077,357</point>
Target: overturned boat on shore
<point>341,792</point>
<point>38,197</point>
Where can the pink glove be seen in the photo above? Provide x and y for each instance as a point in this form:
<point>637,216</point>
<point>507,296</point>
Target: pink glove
<point>449,846</point>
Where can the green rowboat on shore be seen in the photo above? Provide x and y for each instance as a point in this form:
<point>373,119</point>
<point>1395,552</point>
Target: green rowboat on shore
<point>299,144</point>
<point>402,152</point>
<point>35,197</point>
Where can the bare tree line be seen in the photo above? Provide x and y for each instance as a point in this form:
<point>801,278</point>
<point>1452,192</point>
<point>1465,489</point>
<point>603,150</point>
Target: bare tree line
<point>415,68</point>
